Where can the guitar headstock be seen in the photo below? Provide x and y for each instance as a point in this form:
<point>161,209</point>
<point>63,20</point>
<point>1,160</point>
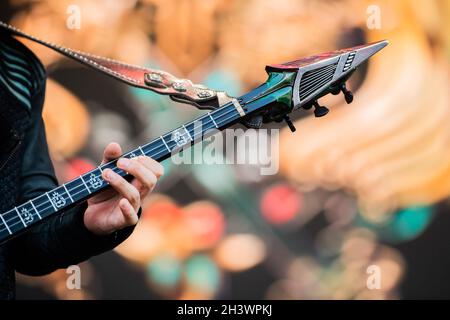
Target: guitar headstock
<point>300,83</point>
<point>325,73</point>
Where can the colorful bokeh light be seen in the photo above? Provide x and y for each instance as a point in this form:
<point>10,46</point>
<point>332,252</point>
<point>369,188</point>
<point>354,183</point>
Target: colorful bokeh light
<point>280,204</point>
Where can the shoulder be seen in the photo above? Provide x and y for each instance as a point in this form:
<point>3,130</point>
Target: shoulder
<point>21,72</point>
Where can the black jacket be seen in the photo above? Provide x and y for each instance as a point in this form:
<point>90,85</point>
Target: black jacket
<point>26,172</point>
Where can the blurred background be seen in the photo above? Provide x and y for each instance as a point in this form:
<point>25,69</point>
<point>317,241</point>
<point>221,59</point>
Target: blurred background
<point>366,185</point>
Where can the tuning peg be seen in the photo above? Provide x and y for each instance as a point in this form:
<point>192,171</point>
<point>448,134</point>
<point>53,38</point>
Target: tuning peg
<point>347,93</point>
<point>319,111</point>
<point>289,123</point>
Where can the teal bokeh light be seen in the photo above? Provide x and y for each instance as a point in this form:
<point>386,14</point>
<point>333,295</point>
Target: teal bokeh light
<point>406,224</point>
<point>202,274</point>
<point>164,271</point>
<point>224,80</point>
<point>412,221</point>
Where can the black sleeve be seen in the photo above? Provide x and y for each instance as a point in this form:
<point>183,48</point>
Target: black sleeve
<point>60,240</point>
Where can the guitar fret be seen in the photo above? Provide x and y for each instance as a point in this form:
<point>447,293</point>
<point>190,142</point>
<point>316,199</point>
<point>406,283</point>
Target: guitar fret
<point>87,188</point>
<point>41,204</point>
<point>168,149</point>
<point>77,189</point>
<point>142,151</point>
<point>186,130</point>
<point>20,216</point>
<point>68,193</point>
<point>212,119</point>
<point>37,212</point>
<point>50,199</point>
<point>4,222</point>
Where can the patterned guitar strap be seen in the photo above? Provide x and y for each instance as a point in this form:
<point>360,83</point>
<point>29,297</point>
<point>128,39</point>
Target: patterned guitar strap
<point>180,90</point>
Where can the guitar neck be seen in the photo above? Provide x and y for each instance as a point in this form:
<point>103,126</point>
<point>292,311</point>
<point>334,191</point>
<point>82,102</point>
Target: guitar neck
<point>78,190</point>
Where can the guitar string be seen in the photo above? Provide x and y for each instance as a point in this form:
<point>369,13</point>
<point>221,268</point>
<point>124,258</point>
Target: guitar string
<point>208,122</point>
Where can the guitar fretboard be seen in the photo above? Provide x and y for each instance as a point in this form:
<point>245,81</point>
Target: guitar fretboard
<point>81,188</point>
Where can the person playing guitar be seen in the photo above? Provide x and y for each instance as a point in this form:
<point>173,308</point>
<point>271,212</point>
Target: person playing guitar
<point>44,226</point>
<point>85,230</point>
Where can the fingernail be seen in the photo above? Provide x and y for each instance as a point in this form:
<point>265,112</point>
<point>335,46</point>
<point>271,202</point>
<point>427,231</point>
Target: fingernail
<point>123,163</point>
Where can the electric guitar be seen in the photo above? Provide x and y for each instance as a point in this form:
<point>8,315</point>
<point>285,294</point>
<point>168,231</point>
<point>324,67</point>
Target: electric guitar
<point>290,86</point>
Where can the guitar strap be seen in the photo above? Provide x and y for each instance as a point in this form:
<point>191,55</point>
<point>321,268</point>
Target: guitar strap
<point>180,90</point>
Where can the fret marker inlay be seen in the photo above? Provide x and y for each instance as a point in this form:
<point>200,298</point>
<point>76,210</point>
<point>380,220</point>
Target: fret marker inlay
<point>58,200</point>
<point>94,181</point>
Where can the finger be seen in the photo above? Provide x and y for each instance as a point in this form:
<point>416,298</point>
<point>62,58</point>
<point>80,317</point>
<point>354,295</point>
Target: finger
<point>103,196</point>
<point>153,165</point>
<point>146,178</point>
<point>123,187</point>
<point>112,151</point>
<point>144,190</point>
<point>129,213</point>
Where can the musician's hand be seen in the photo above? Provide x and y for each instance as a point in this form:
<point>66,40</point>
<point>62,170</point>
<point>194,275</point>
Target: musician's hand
<point>114,209</point>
